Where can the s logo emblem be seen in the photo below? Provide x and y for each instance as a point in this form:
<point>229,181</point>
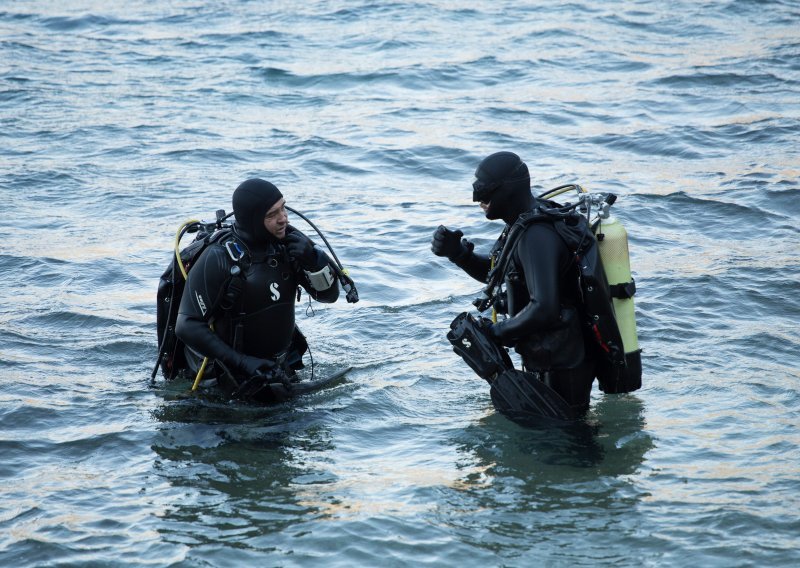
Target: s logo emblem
<point>466,343</point>
<point>275,294</point>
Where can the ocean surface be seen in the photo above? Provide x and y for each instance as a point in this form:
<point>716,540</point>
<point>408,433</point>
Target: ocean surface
<point>120,120</point>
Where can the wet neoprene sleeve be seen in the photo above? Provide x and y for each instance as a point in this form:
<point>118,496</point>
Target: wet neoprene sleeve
<point>541,256</point>
<point>476,265</point>
<point>196,334</point>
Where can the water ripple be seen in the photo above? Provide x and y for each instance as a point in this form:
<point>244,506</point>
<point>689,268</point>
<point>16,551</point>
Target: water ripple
<point>119,124</point>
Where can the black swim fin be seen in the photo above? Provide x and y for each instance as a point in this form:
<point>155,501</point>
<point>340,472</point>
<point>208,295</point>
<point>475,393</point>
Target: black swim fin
<point>305,387</point>
<point>519,395</point>
<point>263,389</point>
<point>523,398</point>
<point>470,340</point>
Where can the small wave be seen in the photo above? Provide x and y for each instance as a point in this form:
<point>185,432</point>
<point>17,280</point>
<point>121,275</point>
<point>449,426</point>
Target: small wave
<point>773,132</point>
<point>215,155</point>
<point>66,24</point>
<point>343,80</point>
<point>788,55</point>
<point>246,37</point>
<point>650,143</point>
<point>713,80</point>
<point>415,77</point>
<point>722,217</point>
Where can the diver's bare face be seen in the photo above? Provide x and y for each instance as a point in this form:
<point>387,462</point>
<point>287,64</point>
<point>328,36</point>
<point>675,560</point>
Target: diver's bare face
<point>276,220</point>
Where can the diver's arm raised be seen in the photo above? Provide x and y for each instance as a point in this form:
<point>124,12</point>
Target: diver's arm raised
<point>321,284</point>
<point>317,273</point>
<point>476,265</point>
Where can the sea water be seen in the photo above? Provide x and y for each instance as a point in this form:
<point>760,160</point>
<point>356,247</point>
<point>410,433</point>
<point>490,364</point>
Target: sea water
<point>119,121</point>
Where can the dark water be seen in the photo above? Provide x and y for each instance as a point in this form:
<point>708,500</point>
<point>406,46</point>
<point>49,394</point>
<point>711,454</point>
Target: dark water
<point>119,123</point>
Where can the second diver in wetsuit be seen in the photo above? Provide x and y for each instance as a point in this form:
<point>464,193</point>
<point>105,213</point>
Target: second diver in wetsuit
<point>541,282</point>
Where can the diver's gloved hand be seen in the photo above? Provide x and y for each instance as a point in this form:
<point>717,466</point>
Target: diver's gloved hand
<point>495,331</point>
<point>252,366</point>
<point>450,244</point>
<point>301,249</point>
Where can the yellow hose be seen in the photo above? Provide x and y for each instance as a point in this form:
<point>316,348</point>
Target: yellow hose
<point>202,367</point>
<point>200,374</point>
<point>178,236</point>
<point>185,274</point>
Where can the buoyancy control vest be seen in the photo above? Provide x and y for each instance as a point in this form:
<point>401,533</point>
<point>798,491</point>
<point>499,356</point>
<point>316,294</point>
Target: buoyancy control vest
<point>619,362</point>
<point>261,321</point>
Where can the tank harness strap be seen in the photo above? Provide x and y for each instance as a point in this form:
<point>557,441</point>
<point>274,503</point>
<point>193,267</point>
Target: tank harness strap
<point>273,255</point>
<point>507,243</point>
<point>231,290</point>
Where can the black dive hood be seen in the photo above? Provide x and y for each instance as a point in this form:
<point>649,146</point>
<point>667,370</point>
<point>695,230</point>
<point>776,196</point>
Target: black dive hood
<point>503,181</point>
<point>251,201</point>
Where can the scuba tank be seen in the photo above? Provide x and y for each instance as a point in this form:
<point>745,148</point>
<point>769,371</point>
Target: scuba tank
<point>612,243</point>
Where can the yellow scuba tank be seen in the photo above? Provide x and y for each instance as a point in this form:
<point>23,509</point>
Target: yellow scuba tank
<point>612,242</point>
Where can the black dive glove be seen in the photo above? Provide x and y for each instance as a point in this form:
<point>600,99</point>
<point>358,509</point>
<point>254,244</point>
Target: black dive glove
<point>252,366</point>
<point>450,244</point>
<point>495,332</point>
<point>269,387</point>
<point>301,249</point>
<point>492,330</point>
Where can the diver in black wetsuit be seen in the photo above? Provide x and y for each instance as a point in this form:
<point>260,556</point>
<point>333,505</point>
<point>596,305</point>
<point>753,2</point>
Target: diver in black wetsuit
<point>255,276</point>
<point>541,282</point>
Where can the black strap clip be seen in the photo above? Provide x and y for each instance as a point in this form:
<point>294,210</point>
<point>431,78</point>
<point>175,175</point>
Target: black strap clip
<point>623,291</point>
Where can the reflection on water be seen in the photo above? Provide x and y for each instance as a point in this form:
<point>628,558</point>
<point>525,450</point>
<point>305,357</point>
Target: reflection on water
<point>240,470</point>
<point>125,119</point>
<point>532,483</point>
<point>610,442</point>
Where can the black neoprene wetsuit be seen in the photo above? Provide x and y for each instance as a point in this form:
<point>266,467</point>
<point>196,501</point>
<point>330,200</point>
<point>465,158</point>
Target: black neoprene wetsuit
<point>261,322</point>
<point>543,325</point>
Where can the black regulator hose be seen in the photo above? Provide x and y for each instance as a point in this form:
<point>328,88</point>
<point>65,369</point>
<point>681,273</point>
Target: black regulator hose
<point>347,282</point>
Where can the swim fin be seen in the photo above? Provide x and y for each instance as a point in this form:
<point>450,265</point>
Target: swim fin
<point>470,340</point>
<point>305,387</point>
<point>523,398</point>
<point>519,395</point>
<point>270,390</point>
